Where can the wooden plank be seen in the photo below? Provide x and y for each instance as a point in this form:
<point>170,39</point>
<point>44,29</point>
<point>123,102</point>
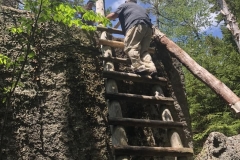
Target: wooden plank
<point>134,77</point>
<point>143,123</point>
<point>199,72</point>
<point>117,44</point>
<point>152,151</point>
<point>109,30</point>
<point>116,59</point>
<point>140,98</point>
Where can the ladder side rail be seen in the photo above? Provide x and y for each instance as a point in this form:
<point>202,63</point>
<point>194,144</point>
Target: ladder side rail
<point>173,136</point>
<point>114,109</point>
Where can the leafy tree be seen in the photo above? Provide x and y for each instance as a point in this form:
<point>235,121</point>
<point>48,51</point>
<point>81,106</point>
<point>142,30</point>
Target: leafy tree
<point>208,111</point>
<point>234,5</point>
<point>154,9</point>
<point>184,21</point>
<point>181,19</point>
<point>100,7</point>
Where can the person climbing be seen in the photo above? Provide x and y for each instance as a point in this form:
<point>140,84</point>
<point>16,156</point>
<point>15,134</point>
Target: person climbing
<point>137,28</point>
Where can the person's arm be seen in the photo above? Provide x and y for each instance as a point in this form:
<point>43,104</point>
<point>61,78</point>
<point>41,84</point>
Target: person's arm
<point>112,16</point>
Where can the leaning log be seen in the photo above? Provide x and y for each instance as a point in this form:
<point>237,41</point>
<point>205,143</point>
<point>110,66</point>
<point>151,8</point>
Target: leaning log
<point>199,72</point>
<point>109,30</point>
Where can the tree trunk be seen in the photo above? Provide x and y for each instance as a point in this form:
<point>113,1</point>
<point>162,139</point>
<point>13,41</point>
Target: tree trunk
<point>231,22</point>
<point>100,7</point>
<point>202,74</point>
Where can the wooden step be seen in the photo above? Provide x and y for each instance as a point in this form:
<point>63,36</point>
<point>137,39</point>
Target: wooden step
<point>152,151</point>
<point>140,98</point>
<point>109,30</point>
<point>144,123</point>
<point>117,44</point>
<point>134,77</point>
<point>116,60</point>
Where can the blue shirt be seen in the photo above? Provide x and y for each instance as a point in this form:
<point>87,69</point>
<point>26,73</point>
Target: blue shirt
<point>131,14</point>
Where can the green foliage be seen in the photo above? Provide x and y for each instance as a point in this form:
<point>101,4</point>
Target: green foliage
<point>41,13</point>
<point>183,21</point>
<point>234,6</point>
<point>45,11</point>
<point>5,61</point>
<point>208,111</point>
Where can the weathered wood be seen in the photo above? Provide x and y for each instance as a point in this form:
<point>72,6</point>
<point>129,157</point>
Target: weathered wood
<point>109,30</point>
<point>119,136</point>
<point>114,109</point>
<point>117,44</point>
<point>140,98</point>
<point>143,123</point>
<point>134,77</point>
<point>174,138</point>
<point>166,115</point>
<point>116,60</point>
<point>106,52</point>
<point>100,7</point>
<point>154,113</point>
<point>152,151</point>
<point>231,22</point>
<point>202,74</point>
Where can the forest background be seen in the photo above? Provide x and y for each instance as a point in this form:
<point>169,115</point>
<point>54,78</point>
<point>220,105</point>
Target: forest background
<point>187,23</point>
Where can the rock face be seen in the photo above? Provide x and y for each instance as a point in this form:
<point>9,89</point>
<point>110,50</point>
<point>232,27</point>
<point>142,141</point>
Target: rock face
<point>220,147</point>
<point>59,110</point>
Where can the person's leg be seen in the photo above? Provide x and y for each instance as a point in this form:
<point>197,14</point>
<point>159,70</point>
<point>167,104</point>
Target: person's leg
<point>145,56</point>
<point>132,47</point>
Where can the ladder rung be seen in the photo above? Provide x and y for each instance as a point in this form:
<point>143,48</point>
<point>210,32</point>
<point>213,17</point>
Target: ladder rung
<point>140,98</point>
<point>144,123</point>
<point>110,30</point>
<point>152,151</point>
<point>117,44</point>
<point>116,59</point>
<point>134,77</point>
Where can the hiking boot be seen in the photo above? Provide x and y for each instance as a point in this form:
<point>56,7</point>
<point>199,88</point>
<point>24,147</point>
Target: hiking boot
<point>152,71</point>
<point>141,70</point>
<point>148,63</point>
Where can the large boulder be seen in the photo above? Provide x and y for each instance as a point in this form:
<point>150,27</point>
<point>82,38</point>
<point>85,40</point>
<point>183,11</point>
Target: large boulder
<point>220,147</point>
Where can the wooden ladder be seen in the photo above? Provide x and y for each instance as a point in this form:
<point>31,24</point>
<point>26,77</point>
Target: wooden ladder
<point>121,149</point>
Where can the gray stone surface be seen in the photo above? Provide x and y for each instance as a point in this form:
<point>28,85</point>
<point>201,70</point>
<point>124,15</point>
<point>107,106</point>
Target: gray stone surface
<point>220,147</point>
<point>59,111</point>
